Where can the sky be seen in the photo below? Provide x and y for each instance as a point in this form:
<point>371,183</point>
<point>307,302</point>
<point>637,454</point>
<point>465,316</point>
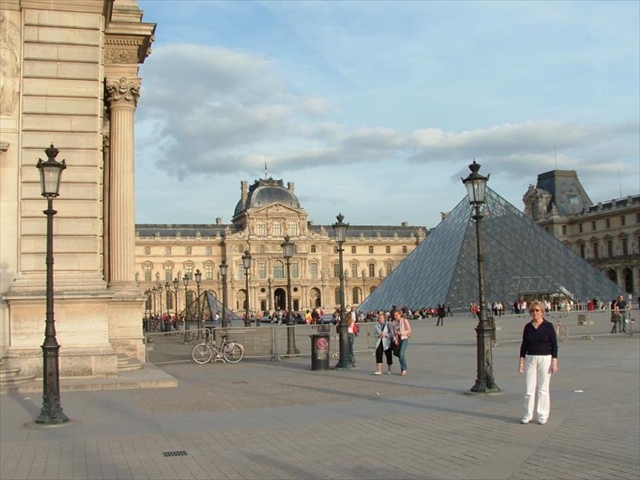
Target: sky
<point>375,109</point>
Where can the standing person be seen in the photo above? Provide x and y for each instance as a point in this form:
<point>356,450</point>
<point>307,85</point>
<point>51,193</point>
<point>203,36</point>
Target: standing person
<point>401,334</point>
<point>440,312</point>
<point>615,317</point>
<point>383,344</point>
<point>621,307</point>
<point>538,360</point>
<point>351,335</point>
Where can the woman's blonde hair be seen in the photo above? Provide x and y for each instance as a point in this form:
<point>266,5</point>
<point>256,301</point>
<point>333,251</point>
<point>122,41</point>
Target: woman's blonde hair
<point>534,304</point>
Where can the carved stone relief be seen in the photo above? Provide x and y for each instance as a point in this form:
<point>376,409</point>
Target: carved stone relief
<point>9,65</point>
<point>123,91</point>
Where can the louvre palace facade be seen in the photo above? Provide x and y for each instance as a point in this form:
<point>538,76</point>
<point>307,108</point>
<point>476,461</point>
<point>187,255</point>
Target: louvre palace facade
<point>266,212</point>
<point>606,234</point>
<point>69,77</point>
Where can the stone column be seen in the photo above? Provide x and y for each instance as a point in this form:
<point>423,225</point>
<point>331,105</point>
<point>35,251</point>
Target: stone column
<point>122,98</point>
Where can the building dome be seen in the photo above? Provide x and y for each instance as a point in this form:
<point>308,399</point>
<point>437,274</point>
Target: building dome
<point>265,192</point>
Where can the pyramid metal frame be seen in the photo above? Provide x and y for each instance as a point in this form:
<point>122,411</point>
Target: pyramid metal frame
<point>520,259</point>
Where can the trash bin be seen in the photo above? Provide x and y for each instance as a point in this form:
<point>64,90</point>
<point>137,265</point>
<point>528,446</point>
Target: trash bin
<point>320,352</point>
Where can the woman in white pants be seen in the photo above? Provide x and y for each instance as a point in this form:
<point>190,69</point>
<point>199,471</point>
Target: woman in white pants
<point>538,360</point>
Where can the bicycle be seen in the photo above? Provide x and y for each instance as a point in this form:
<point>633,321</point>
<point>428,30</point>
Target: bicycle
<point>230,352</point>
<point>561,331</point>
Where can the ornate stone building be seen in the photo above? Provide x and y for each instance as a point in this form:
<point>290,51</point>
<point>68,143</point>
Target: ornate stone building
<point>69,77</point>
<point>267,212</point>
<point>606,234</point>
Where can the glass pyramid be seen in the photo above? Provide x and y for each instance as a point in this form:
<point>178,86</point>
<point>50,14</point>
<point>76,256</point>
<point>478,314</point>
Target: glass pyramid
<point>521,260</point>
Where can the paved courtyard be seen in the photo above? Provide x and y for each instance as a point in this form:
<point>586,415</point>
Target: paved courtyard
<point>278,419</point>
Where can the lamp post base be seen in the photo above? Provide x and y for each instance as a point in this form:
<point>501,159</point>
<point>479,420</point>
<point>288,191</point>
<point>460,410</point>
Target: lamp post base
<point>291,340</point>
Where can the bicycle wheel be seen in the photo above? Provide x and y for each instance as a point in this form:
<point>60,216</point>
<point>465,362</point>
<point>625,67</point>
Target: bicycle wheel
<point>233,352</point>
<point>201,353</point>
<point>563,334</point>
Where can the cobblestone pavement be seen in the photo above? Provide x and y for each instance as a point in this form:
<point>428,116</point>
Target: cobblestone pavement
<point>269,419</point>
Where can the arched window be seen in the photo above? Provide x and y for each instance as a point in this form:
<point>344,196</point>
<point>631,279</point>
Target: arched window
<point>278,269</point>
<point>313,249</point>
<point>404,249</point>
<point>208,271</point>
<point>387,249</point>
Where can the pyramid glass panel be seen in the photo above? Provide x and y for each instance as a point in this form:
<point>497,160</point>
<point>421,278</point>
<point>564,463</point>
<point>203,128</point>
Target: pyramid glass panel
<point>520,260</point>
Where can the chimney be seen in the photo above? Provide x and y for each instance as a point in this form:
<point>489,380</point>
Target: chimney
<point>291,186</point>
<point>244,187</point>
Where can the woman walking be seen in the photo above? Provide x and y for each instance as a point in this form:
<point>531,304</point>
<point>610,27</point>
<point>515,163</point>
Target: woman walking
<point>538,360</point>
<point>383,344</point>
<point>401,334</point>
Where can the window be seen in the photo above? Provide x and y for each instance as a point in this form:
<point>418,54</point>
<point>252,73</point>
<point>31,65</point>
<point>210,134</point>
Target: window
<point>581,247</point>
<point>147,250</point>
<point>388,267</point>
<point>336,296</point>
<point>262,270</point>
<point>372,269</point>
<point>354,270</point>
<point>189,271</point>
<point>278,269</point>
<point>623,220</point>
<point>261,228</point>
<point>353,249</point>
<point>625,247</point>
<point>580,227</point>
<point>573,199</point>
<point>293,229</point>
<point>387,249</point>
<point>188,250</point>
<point>295,271</point>
<point>168,250</point>
<point>404,249</point>
<point>336,271</point>
<point>277,229</point>
<point>147,273</point>
<point>240,248</point>
<point>608,223</point>
<point>314,270</point>
<point>370,248</point>
<point>355,295</point>
<point>594,249</point>
<point>313,249</point>
<point>207,250</point>
<point>593,226</point>
<point>263,248</point>
<point>168,273</point>
<point>208,271</point>
<point>609,248</point>
<point>564,229</point>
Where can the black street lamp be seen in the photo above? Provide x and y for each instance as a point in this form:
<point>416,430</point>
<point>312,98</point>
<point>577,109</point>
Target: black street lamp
<point>340,229</point>
<point>246,263</point>
<point>287,248</point>
<point>51,412</point>
<point>223,272</point>
<point>167,291</point>
<point>176,284</point>
<point>485,383</point>
<point>185,281</point>
<point>159,289</point>
<point>198,276</point>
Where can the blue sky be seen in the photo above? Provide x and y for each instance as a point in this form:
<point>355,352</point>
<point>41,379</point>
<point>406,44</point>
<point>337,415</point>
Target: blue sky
<point>375,109</point>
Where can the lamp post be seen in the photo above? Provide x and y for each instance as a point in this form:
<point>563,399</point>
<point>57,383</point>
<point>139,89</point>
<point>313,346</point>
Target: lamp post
<point>340,229</point>
<point>485,383</point>
<point>287,248</point>
<point>185,281</point>
<point>51,412</point>
<point>223,272</point>
<point>167,291</point>
<point>198,276</point>
<point>147,311</point>
<point>176,284</point>
<point>159,289</point>
<point>246,263</point>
